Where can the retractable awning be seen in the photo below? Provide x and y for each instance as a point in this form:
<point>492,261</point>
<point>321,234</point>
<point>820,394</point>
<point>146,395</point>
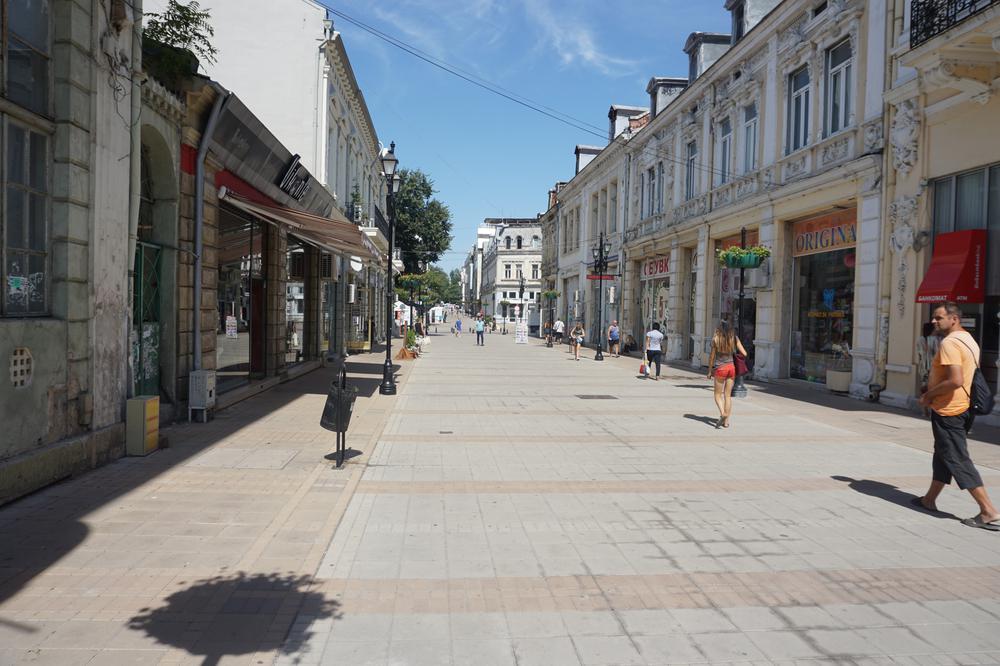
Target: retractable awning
<point>337,236</point>
<point>958,269</point>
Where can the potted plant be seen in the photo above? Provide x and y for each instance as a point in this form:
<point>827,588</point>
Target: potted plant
<point>838,368</point>
<point>742,257</point>
<point>550,294</point>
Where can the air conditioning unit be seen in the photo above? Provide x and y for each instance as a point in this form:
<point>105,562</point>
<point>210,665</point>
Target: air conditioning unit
<point>201,392</point>
<point>357,213</point>
<point>352,293</point>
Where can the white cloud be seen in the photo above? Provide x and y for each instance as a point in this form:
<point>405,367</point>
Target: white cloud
<point>572,40</point>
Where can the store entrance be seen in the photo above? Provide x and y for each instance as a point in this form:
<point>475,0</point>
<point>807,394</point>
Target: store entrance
<point>823,309</point>
<point>240,336</point>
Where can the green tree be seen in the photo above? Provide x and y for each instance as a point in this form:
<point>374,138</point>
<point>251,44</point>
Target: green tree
<point>183,26</point>
<point>423,224</point>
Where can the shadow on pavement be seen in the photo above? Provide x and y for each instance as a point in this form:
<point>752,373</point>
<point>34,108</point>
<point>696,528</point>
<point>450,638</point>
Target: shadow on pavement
<point>708,420</point>
<point>889,493</point>
<point>248,614</point>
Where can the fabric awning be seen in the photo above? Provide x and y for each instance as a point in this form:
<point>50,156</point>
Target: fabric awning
<point>958,269</point>
<point>337,236</point>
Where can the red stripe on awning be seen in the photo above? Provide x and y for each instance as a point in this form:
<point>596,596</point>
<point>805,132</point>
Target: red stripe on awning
<point>958,269</point>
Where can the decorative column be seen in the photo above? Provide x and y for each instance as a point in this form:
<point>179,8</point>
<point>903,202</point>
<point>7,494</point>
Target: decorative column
<point>675,304</point>
<point>701,306</point>
<point>767,347</point>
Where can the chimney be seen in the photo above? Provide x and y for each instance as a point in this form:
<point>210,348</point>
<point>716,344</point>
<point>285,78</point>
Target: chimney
<point>662,90</point>
<point>703,49</point>
<point>585,155</point>
<point>619,116</point>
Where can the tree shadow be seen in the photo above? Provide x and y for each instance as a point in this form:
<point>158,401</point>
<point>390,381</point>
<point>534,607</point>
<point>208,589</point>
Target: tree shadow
<point>890,493</point>
<point>239,614</point>
<point>707,420</point>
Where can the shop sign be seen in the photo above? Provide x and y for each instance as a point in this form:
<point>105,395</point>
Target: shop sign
<point>656,268</point>
<point>837,231</point>
<point>291,184</point>
<point>753,238</point>
<point>231,331</point>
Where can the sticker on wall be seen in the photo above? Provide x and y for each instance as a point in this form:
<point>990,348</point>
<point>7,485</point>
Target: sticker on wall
<point>20,367</point>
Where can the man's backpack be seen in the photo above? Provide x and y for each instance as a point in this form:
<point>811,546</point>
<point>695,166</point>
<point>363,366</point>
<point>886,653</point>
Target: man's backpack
<point>980,397</point>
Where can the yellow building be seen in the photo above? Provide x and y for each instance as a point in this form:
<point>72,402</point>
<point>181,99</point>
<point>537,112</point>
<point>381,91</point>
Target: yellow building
<point>942,181</point>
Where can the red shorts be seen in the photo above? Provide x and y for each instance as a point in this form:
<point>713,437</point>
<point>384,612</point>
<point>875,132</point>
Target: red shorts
<point>726,371</point>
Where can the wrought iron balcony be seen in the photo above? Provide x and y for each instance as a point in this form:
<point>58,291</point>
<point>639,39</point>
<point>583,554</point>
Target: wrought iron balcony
<point>379,222</point>
<point>929,18</point>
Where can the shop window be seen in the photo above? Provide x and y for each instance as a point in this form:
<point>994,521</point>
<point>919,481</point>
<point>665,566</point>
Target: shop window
<point>838,87</point>
<point>798,109</point>
<point>25,221</point>
<point>823,314</point>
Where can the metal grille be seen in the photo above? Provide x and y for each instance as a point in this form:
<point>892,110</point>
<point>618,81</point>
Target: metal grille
<point>20,367</point>
<point>930,18</point>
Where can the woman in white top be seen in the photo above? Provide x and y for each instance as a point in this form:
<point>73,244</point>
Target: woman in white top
<point>654,351</point>
<point>722,368</point>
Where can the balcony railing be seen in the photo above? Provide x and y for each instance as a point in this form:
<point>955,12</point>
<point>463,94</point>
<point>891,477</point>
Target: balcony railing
<point>929,18</point>
<point>379,223</point>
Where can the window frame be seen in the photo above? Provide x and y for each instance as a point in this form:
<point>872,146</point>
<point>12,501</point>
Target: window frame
<point>842,73</point>
<point>690,163</point>
<point>750,138</point>
<point>725,150</point>
<point>797,138</point>
<point>507,271</point>
<point>651,191</point>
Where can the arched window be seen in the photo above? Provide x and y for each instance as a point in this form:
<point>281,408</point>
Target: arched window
<point>508,242</point>
<point>519,243</point>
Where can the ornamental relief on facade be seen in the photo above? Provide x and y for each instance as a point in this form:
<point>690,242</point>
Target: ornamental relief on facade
<point>835,151</point>
<point>904,135</point>
<point>872,133</point>
<point>902,214</point>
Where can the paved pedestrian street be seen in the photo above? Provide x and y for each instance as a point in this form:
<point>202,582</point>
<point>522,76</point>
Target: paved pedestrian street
<point>511,506</point>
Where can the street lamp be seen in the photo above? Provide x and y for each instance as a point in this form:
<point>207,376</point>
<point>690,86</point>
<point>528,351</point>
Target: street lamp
<point>739,388</point>
<point>389,163</point>
<point>520,298</point>
<point>600,253</point>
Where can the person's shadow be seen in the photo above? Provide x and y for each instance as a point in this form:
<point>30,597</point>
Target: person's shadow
<point>237,615</point>
<point>890,493</point>
<point>708,420</point>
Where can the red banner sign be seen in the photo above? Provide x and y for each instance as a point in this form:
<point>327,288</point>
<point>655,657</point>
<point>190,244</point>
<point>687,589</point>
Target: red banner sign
<point>656,268</point>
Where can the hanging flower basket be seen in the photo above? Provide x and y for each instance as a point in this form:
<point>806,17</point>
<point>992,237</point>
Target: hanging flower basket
<point>740,257</point>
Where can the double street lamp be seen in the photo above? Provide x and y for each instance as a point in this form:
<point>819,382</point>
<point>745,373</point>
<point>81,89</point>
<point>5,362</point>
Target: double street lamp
<point>600,253</point>
<point>389,163</point>
<point>520,298</point>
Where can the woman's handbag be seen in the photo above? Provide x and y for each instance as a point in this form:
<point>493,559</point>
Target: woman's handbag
<point>740,363</point>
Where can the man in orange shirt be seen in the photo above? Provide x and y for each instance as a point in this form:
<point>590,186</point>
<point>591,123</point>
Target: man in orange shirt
<point>947,395</point>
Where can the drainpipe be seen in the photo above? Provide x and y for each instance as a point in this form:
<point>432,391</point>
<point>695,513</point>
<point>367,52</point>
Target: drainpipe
<point>221,99</point>
<point>135,184</point>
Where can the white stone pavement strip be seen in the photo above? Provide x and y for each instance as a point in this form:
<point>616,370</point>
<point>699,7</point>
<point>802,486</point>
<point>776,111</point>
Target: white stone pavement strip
<point>505,519</point>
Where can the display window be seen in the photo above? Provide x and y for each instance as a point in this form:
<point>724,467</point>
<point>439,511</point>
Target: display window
<point>823,293</point>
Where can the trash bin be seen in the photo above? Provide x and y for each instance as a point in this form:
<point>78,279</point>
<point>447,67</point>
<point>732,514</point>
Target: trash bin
<point>339,407</point>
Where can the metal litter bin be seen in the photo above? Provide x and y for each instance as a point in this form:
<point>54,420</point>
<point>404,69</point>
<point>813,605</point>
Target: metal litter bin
<point>337,411</point>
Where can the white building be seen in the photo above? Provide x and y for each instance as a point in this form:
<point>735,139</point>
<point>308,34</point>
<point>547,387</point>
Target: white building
<point>512,269</point>
<point>290,67</point>
<point>472,270</point>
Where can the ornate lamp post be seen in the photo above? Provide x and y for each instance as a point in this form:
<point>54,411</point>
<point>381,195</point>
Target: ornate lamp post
<point>600,253</point>
<point>389,163</point>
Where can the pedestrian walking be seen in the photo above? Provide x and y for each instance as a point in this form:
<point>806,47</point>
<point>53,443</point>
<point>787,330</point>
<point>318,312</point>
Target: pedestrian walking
<point>948,396</point>
<point>480,330</point>
<point>458,327</point>
<point>614,338</point>
<point>558,329</point>
<point>722,368</point>
<point>653,347</point>
<point>576,338</point>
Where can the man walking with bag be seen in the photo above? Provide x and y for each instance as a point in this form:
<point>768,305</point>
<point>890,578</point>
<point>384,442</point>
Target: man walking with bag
<point>948,395</point>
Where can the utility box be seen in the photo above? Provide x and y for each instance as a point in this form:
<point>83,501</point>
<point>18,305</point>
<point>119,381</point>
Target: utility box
<point>142,425</point>
<point>201,392</point>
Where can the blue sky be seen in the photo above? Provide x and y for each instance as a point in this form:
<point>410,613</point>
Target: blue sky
<point>489,157</point>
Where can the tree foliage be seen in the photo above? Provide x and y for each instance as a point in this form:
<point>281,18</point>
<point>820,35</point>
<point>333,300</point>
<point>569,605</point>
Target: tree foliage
<point>183,26</point>
<point>423,224</point>
<point>432,287</point>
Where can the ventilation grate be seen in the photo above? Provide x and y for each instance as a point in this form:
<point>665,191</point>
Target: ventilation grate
<point>20,367</point>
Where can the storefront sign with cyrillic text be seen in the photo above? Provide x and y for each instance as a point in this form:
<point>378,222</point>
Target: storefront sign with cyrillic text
<point>836,231</point>
<point>656,268</point>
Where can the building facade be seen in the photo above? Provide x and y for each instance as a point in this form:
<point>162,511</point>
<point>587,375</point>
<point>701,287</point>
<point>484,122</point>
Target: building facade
<point>511,273</point>
<point>69,107</point>
<point>942,183</point>
<point>313,104</point>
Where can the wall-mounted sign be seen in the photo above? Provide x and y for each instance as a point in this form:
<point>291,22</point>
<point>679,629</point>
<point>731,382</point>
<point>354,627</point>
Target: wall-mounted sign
<point>836,231</point>
<point>292,182</point>
<point>655,268</point>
